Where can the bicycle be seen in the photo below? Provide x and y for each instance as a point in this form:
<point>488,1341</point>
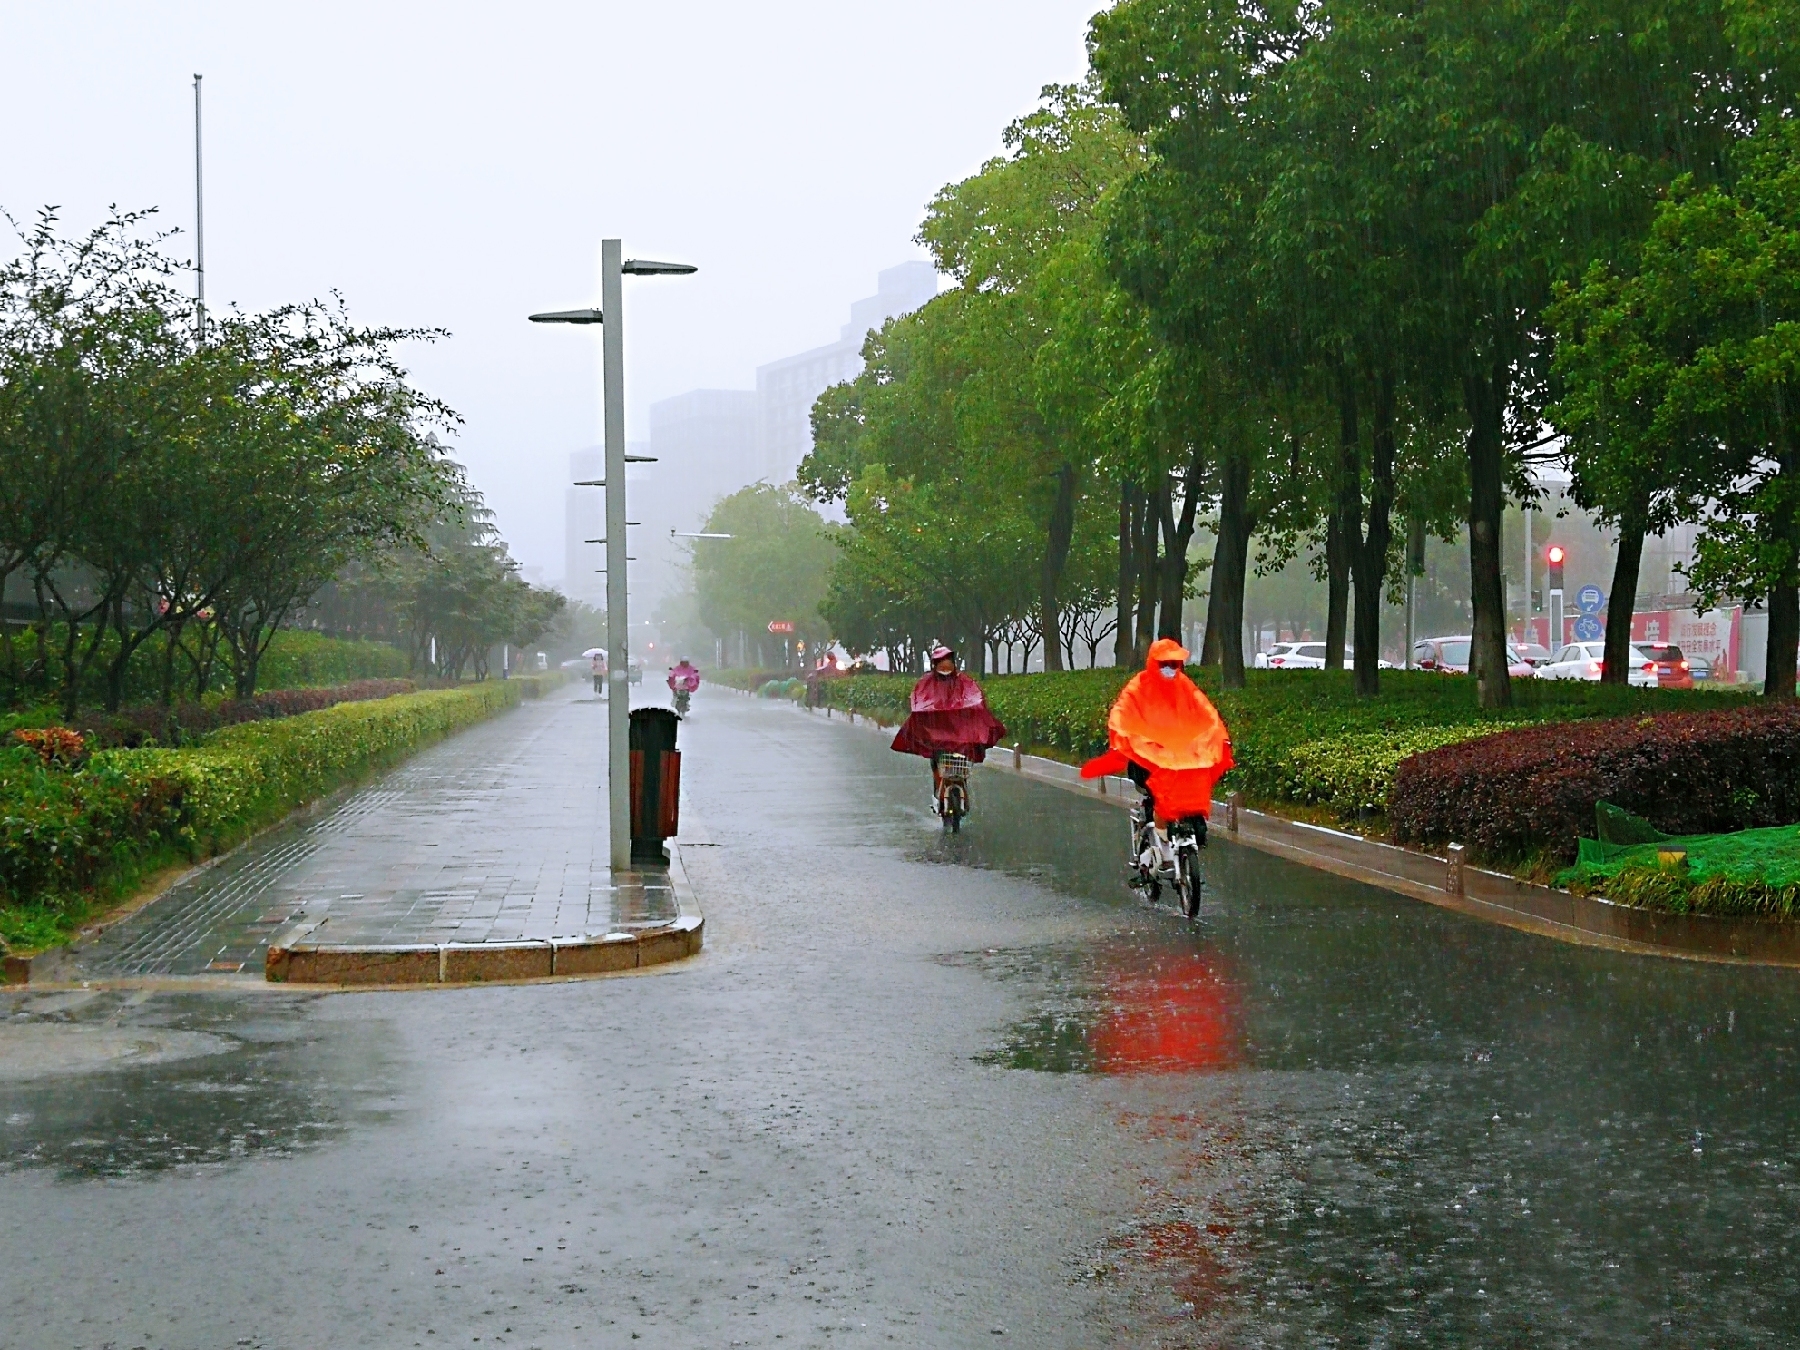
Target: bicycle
<point>1169,858</point>
<point>953,790</point>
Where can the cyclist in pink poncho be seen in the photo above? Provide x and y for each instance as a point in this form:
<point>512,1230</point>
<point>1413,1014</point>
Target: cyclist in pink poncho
<point>949,714</point>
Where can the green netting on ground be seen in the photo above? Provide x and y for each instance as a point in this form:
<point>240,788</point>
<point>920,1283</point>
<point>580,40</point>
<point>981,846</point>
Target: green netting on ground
<point>1768,857</point>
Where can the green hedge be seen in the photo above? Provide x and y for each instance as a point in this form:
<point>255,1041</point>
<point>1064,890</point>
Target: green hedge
<point>245,777</point>
<point>68,837</point>
<point>1298,736</point>
<point>294,660</point>
<point>298,660</point>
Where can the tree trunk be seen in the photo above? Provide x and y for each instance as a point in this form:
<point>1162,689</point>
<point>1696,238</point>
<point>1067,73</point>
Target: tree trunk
<point>1128,494</point>
<point>1149,512</point>
<point>1225,614</point>
<point>1784,640</point>
<point>1177,534</point>
<point>1484,397</point>
<point>1337,586</point>
<point>1343,528</point>
<point>1056,556</point>
<point>1370,543</point>
<point>1620,604</point>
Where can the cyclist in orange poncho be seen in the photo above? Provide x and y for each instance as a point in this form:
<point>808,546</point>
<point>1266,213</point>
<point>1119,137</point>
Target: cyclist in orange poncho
<point>1167,736</point>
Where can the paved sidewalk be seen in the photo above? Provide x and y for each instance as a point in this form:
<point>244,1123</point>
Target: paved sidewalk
<point>496,835</point>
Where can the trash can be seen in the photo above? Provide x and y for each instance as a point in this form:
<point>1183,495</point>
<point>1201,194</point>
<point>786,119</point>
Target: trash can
<point>655,784</point>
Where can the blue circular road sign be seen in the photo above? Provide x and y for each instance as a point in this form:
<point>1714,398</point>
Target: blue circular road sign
<point>1588,629</point>
<point>1589,600</point>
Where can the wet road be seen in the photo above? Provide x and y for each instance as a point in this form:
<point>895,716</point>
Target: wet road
<point>927,1092</point>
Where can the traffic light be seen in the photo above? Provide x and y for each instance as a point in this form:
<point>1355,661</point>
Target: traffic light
<point>1554,556</point>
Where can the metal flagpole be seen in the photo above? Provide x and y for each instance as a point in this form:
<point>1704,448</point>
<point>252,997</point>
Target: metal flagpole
<point>199,224</point>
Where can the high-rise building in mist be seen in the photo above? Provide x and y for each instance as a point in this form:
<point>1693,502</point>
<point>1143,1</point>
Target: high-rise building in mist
<point>787,389</point>
<point>705,447</point>
<point>708,443</point>
<point>584,518</point>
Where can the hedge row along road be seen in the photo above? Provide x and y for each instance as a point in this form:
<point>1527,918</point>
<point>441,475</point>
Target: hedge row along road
<point>71,840</point>
<point>1305,739</point>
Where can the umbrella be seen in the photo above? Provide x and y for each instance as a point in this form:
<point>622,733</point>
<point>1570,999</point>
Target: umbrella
<point>594,651</point>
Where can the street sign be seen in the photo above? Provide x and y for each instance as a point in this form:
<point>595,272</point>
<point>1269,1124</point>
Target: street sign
<point>1589,600</point>
<point>1588,628</point>
<point>780,626</point>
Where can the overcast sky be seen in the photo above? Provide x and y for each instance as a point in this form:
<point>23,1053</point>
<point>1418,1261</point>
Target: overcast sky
<point>455,165</point>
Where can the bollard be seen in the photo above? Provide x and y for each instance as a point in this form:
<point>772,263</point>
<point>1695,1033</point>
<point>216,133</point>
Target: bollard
<point>853,717</point>
<point>1453,869</point>
<point>1102,781</point>
<point>1233,804</point>
<point>1018,759</point>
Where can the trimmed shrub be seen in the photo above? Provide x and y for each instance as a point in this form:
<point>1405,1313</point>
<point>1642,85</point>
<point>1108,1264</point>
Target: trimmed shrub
<point>183,723</point>
<point>1354,774</point>
<point>294,659</point>
<point>1686,773</point>
<point>249,775</point>
<point>65,831</point>
<point>60,830</point>
<point>297,658</point>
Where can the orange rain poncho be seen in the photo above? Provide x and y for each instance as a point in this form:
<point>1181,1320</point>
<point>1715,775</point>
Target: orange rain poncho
<point>1170,728</point>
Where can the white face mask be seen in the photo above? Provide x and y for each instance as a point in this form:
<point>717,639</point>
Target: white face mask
<point>1168,672</point>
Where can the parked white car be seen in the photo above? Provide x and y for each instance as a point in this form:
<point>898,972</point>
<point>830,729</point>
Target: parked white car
<point>1303,656</point>
<point>1581,661</point>
<point>1292,656</point>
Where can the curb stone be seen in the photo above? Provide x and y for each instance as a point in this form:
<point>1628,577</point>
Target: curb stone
<point>294,959</point>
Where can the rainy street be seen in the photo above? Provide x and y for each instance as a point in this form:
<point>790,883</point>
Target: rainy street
<point>924,1091</point>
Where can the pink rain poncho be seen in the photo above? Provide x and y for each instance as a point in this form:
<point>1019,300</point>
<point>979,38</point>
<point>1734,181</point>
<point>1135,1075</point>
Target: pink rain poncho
<point>949,713</point>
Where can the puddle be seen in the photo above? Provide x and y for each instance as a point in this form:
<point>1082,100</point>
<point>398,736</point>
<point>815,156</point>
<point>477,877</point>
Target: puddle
<point>125,1086</point>
<point>1120,1006</point>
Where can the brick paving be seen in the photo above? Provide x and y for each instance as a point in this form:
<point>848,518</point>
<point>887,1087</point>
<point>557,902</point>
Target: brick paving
<point>496,835</point>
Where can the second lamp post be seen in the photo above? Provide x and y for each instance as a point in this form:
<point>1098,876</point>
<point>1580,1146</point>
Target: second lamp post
<point>613,265</point>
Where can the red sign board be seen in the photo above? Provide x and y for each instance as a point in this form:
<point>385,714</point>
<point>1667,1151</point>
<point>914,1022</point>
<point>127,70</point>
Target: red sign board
<point>780,626</point>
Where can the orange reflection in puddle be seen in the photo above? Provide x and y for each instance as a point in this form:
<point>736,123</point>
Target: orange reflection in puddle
<point>1166,1012</point>
<point>1182,1253</point>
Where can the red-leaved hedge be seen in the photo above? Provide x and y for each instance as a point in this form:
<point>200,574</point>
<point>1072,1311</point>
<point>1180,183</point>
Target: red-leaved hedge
<point>1519,792</point>
<point>182,723</point>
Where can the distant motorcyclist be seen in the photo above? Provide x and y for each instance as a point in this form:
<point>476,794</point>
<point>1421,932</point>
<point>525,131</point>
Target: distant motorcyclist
<point>1167,737</point>
<point>684,677</point>
<point>948,715</point>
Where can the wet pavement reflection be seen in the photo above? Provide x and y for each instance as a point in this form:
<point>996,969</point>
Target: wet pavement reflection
<point>1379,1123</point>
<point>956,1088</point>
<point>115,1083</point>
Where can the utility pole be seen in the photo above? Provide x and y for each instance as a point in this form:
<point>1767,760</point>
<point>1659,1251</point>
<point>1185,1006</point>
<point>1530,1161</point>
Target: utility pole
<point>613,267</point>
<point>618,632</point>
<point>199,225</point>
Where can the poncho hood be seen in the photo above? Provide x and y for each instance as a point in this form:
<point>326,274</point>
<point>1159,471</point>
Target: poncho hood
<point>1170,728</point>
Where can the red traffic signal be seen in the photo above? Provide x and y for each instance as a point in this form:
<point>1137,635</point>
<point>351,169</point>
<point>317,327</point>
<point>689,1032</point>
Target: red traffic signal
<point>1554,556</point>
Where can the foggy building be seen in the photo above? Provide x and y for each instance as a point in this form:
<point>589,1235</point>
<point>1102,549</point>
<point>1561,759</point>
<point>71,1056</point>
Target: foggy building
<point>584,517</point>
<point>709,443</point>
<point>786,389</point>
<point>705,447</point>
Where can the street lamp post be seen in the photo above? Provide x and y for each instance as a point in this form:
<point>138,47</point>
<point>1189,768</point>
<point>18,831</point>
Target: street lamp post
<point>613,266</point>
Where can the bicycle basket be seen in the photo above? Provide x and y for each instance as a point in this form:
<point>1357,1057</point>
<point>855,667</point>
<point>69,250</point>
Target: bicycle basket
<point>953,768</point>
